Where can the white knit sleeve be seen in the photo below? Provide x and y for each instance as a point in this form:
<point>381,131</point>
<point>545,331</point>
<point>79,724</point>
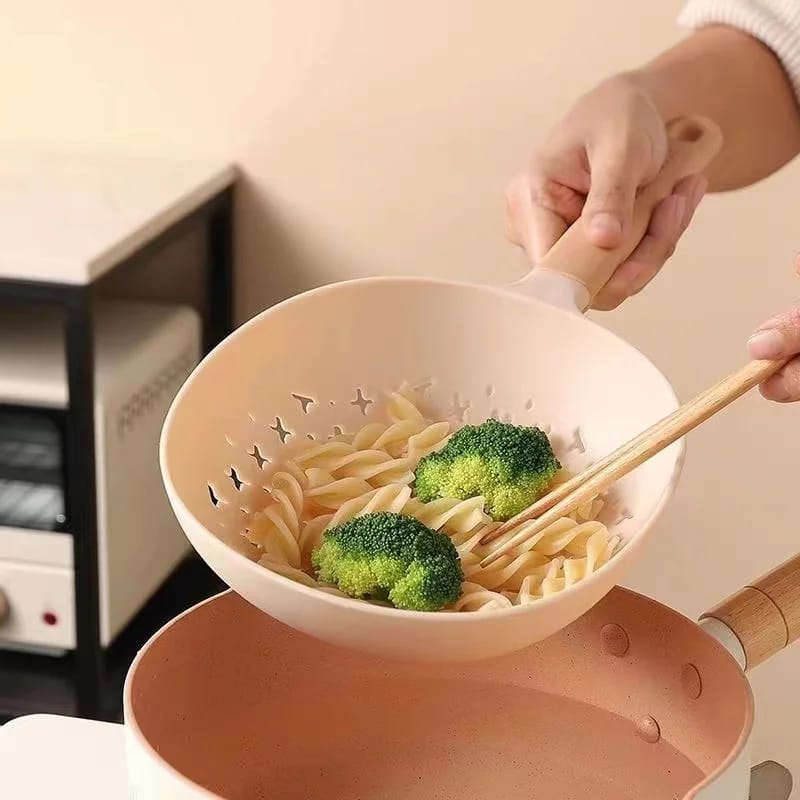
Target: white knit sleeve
<point>776,23</point>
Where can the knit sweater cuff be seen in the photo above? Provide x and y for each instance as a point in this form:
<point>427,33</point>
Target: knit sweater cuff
<point>775,23</point>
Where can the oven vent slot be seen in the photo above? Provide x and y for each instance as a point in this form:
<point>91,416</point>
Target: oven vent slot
<point>165,382</point>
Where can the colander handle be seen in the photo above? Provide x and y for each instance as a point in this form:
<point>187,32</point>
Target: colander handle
<point>693,144</point>
<point>765,615</point>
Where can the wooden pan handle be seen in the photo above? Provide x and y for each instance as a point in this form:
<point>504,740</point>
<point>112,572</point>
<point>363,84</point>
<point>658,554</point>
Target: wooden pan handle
<point>765,615</point>
<point>693,143</point>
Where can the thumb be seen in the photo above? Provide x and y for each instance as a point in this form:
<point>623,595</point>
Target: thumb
<point>615,177</point>
<point>777,338</point>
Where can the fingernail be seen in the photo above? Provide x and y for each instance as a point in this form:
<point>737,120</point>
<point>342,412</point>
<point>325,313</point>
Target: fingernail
<point>604,222</point>
<point>766,344</point>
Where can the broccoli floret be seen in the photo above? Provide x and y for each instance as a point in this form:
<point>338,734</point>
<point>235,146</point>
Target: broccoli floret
<point>391,557</point>
<point>510,465</point>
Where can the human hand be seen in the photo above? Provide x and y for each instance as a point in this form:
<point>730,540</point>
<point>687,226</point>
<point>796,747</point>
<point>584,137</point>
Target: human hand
<point>590,166</point>
<point>777,338</point>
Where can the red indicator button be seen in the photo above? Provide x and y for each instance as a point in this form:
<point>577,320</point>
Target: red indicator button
<point>49,618</point>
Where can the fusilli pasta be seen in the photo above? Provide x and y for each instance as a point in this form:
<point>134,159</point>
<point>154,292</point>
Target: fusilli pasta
<point>372,470</point>
<point>276,529</point>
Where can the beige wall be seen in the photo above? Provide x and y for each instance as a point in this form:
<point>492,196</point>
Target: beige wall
<point>376,137</point>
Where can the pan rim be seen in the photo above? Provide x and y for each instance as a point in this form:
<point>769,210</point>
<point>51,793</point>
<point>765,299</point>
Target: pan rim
<point>133,729</point>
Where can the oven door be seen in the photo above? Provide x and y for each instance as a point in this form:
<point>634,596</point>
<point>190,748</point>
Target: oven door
<point>32,469</point>
<point>36,573</point>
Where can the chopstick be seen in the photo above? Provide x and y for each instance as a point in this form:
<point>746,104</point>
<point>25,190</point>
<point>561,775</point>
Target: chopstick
<point>595,479</point>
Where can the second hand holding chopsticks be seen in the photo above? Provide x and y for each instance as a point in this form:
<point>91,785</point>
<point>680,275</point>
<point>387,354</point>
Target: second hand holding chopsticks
<point>595,479</point>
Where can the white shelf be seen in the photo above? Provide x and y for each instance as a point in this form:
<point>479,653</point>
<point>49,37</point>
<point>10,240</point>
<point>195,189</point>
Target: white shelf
<point>69,218</point>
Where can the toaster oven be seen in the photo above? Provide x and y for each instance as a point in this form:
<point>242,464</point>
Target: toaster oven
<point>143,353</point>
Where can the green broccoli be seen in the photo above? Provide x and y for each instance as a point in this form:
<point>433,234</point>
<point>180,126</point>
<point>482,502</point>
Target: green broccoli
<point>510,465</point>
<point>391,557</point>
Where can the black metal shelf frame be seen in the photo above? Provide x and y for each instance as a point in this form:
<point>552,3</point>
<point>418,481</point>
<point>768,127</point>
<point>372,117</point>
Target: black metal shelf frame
<point>216,218</point>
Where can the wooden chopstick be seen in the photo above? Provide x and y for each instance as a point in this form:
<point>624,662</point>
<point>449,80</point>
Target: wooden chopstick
<point>567,487</point>
<point>576,481</point>
<point>597,478</point>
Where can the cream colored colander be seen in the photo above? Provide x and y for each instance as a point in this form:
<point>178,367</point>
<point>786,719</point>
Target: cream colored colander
<point>318,363</point>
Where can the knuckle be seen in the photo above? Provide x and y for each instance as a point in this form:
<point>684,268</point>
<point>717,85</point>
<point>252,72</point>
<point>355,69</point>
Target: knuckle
<point>623,153</point>
<point>610,194</point>
<point>612,188</point>
<point>610,199</point>
<point>619,142</point>
<point>789,323</point>
<point>793,318</point>
<point>550,194</point>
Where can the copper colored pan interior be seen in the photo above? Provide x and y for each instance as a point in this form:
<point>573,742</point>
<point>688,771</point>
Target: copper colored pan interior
<point>607,709</point>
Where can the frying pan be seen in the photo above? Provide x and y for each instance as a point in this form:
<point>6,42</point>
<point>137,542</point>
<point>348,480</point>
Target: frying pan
<point>631,701</point>
<point>524,353</point>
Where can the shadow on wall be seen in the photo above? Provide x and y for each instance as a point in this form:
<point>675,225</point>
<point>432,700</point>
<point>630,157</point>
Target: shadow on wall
<point>287,261</point>
<point>286,254</point>
<point>283,249</point>
<point>170,275</point>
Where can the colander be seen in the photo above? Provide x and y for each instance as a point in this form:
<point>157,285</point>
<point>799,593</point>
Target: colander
<point>319,363</point>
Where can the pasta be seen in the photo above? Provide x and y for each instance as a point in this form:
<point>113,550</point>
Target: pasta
<point>452,516</point>
<point>344,460</point>
<point>326,484</point>
<point>276,529</point>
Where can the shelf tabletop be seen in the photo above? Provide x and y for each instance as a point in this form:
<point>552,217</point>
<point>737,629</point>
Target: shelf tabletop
<point>70,217</point>
<point>44,756</point>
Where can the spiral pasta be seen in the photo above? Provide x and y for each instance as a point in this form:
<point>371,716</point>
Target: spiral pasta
<point>276,529</point>
<point>344,460</point>
<point>401,406</point>
<point>427,436</point>
<point>476,598</point>
<point>324,485</point>
<point>430,439</point>
<point>452,516</point>
<point>327,492</point>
